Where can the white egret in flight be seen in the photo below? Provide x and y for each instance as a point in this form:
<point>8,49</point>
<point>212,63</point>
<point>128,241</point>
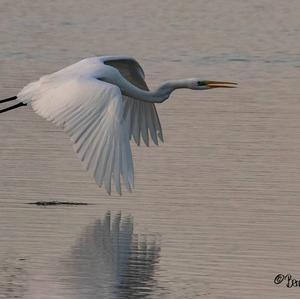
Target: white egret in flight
<point>101,103</point>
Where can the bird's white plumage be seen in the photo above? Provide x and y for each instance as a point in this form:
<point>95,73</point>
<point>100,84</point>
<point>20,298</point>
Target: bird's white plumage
<point>92,114</point>
<point>142,119</point>
<point>97,117</point>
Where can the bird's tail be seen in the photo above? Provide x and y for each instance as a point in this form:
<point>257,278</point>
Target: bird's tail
<point>11,107</point>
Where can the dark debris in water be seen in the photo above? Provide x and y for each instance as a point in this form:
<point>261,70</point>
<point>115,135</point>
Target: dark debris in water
<point>58,203</point>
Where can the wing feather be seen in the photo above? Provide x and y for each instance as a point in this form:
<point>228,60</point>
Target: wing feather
<point>151,126</point>
<point>116,170</point>
<point>141,117</point>
<point>91,113</point>
<point>144,124</point>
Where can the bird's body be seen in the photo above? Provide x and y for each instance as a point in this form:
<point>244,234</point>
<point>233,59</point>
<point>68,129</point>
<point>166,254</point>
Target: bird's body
<point>101,103</point>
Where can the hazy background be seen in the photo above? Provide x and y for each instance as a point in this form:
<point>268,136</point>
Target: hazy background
<point>216,209</point>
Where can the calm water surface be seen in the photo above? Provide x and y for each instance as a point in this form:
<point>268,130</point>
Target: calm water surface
<point>216,209</point>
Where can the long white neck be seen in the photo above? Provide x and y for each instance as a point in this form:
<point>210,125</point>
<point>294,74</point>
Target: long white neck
<point>157,96</point>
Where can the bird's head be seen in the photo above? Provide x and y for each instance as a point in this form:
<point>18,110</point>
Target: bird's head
<point>198,84</point>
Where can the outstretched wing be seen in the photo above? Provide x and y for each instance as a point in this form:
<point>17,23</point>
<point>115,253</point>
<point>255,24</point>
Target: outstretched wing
<point>141,117</point>
<point>91,112</point>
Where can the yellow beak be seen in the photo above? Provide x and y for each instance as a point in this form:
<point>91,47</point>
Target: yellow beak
<point>220,84</point>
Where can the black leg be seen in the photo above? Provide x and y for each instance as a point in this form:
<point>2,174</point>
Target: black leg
<point>8,100</point>
<point>12,107</point>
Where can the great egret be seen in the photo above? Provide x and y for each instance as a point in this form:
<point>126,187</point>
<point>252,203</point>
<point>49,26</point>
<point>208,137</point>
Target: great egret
<point>101,102</point>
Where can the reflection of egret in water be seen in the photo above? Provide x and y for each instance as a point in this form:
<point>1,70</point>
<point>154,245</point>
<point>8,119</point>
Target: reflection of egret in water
<point>110,261</point>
